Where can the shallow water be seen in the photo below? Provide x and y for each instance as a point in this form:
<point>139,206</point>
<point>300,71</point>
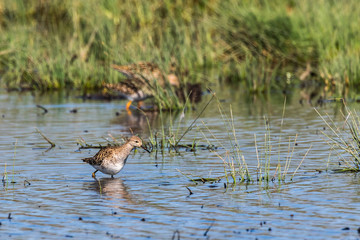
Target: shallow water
<point>55,197</point>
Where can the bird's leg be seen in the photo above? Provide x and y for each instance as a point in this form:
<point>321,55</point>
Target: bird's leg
<point>112,176</point>
<point>93,174</point>
<point>128,105</point>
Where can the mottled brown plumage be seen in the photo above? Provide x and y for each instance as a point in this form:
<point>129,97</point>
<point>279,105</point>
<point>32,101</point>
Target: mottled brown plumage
<point>191,91</point>
<point>135,89</point>
<point>147,70</point>
<point>142,80</point>
<point>110,160</point>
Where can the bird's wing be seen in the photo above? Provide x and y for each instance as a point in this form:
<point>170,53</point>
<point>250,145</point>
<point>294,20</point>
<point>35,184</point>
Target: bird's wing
<point>127,87</point>
<point>125,70</point>
<point>98,158</point>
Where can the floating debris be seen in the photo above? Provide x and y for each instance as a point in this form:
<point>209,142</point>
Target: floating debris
<point>204,180</point>
<point>26,183</point>
<point>345,170</point>
<point>208,229</point>
<point>190,192</point>
<point>43,108</point>
<point>46,138</point>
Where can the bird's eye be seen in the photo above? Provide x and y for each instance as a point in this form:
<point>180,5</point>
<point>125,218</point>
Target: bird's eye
<point>137,141</point>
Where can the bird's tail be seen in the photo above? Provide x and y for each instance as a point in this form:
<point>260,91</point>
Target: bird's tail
<point>87,160</point>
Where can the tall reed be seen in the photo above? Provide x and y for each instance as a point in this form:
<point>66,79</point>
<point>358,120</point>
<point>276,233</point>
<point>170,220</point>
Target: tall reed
<point>344,140</point>
<point>233,159</point>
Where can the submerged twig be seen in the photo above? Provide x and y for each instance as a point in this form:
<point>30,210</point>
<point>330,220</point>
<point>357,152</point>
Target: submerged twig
<point>43,108</point>
<point>47,139</point>
<point>190,192</point>
<point>89,146</point>
<point>200,179</point>
<point>208,229</point>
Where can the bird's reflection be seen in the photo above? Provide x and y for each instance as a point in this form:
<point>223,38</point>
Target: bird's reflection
<point>311,93</point>
<point>139,121</point>
<point>111,189</point>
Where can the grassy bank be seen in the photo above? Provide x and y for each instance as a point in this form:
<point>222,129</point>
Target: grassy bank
<point>262,44</point>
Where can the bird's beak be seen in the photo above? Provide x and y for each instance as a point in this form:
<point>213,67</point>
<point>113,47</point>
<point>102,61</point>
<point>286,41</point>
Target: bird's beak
<point>143,147</point>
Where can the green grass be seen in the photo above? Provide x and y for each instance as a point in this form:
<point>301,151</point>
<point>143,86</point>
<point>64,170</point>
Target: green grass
<point>170,136</point>
<point>167,138</point>
<point>273,37</point>
<point>344,141</point>
<point>70,44</point>
<point>272,162</point>
<point>5,177</point>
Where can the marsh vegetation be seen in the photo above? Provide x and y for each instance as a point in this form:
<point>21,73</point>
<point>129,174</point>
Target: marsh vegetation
<point>261,44</point>
<point>249,148</point>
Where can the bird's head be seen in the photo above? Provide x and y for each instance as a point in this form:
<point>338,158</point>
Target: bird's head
<point>135,141</point>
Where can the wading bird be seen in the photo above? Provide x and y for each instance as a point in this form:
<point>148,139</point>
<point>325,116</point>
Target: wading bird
<point>110,160</point>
